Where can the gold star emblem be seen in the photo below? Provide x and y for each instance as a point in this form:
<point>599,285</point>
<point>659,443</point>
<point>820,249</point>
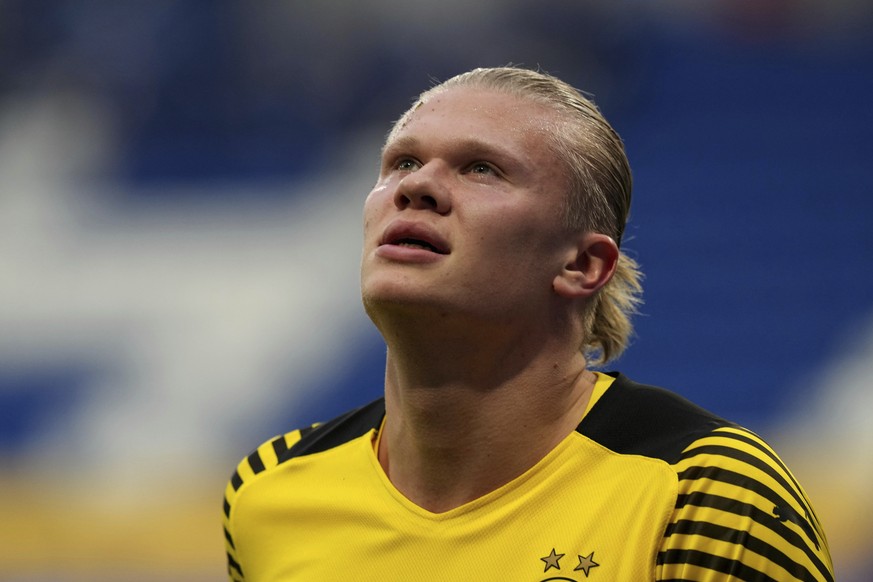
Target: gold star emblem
<point>586,563</point>
<point>552,560</point>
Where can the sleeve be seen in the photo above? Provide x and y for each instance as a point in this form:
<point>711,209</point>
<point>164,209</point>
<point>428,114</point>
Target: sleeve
<point>249,469</point>
<point>740,515</point>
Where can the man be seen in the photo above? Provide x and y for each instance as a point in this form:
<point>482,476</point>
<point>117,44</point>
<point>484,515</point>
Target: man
<point>492,268</point>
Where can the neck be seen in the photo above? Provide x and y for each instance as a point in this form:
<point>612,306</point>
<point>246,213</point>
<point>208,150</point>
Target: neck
<point>467,413</point>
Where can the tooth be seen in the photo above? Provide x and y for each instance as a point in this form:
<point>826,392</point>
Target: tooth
<point>417,245</point>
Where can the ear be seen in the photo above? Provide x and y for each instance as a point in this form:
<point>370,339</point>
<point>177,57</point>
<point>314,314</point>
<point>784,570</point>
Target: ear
<point>590,266</point>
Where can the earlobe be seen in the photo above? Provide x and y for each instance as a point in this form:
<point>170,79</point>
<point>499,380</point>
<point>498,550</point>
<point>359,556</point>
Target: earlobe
<point>589,267</point>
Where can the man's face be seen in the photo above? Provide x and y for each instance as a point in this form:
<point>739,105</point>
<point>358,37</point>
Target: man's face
<point>466,215</point>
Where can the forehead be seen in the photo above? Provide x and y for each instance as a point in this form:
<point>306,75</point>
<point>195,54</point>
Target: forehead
<point>481,113</point>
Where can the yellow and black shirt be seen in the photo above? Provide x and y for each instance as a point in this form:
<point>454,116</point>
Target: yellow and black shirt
<point>648,487</point>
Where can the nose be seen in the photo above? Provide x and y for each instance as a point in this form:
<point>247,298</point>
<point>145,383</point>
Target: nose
<point>424,189</point>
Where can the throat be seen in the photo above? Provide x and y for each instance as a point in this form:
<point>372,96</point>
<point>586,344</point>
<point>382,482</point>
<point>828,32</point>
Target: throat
<point>443,447</point>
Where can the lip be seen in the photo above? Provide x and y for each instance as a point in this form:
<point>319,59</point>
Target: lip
<point>401,230</point>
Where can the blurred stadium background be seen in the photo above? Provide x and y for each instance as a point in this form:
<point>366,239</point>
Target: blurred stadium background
<point>180,192</point>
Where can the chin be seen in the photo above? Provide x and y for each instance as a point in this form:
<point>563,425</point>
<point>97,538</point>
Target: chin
<point>389,295</point>
<point>386,297</point>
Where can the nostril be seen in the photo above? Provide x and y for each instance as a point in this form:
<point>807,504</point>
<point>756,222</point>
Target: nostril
<point>429,200</point>
<point>402,200</point>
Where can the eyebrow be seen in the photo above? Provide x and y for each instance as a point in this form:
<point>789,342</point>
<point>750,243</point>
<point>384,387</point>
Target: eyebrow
<point>406,142</point>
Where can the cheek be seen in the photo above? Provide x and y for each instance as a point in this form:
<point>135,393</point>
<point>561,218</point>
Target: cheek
<point>377,191</point>
<point>381,194</point>
<point>526,245</point>
<point>374,204</point>
<point>519,229</point>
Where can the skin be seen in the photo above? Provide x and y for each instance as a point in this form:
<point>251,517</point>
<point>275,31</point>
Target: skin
<point>483,374</point>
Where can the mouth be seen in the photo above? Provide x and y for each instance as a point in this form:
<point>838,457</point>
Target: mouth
<point>415,236</point>
<point>414,243</point>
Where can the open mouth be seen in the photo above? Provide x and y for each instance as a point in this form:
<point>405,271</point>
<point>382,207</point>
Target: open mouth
<point>414,243</point>
<point>411,235</point>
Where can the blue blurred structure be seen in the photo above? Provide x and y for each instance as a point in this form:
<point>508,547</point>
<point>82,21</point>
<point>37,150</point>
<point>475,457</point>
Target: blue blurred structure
<point>752,219</point>
<point>218,132</point>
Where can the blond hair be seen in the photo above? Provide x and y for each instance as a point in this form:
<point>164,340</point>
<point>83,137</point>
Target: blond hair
<point>599,190</point>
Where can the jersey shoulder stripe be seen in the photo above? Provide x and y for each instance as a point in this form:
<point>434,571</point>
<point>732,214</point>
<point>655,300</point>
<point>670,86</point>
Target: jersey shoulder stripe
<point>739,511</point>
<point>338,431</point>
<point>305,441</point>
<point>258,462</point>
<point>637,419</point>
<point>297,443</point>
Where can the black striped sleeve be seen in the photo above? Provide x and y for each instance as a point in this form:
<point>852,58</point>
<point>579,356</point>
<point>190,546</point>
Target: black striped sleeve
<point>260,460</point>
<point>740,515</point>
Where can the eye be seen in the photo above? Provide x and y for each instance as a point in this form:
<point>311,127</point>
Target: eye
<point>483,168</point>
<point>406,165</point>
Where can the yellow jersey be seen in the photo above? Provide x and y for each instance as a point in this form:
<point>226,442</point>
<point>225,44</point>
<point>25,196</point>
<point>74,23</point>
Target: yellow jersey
<point>649,487</point>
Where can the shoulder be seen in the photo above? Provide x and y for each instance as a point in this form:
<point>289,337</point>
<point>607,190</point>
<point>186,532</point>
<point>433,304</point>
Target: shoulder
<point>638,419</point>
<point>740,511</point>
<point>309,440</point>
<point>280,451</point>
<point>340,430</point>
